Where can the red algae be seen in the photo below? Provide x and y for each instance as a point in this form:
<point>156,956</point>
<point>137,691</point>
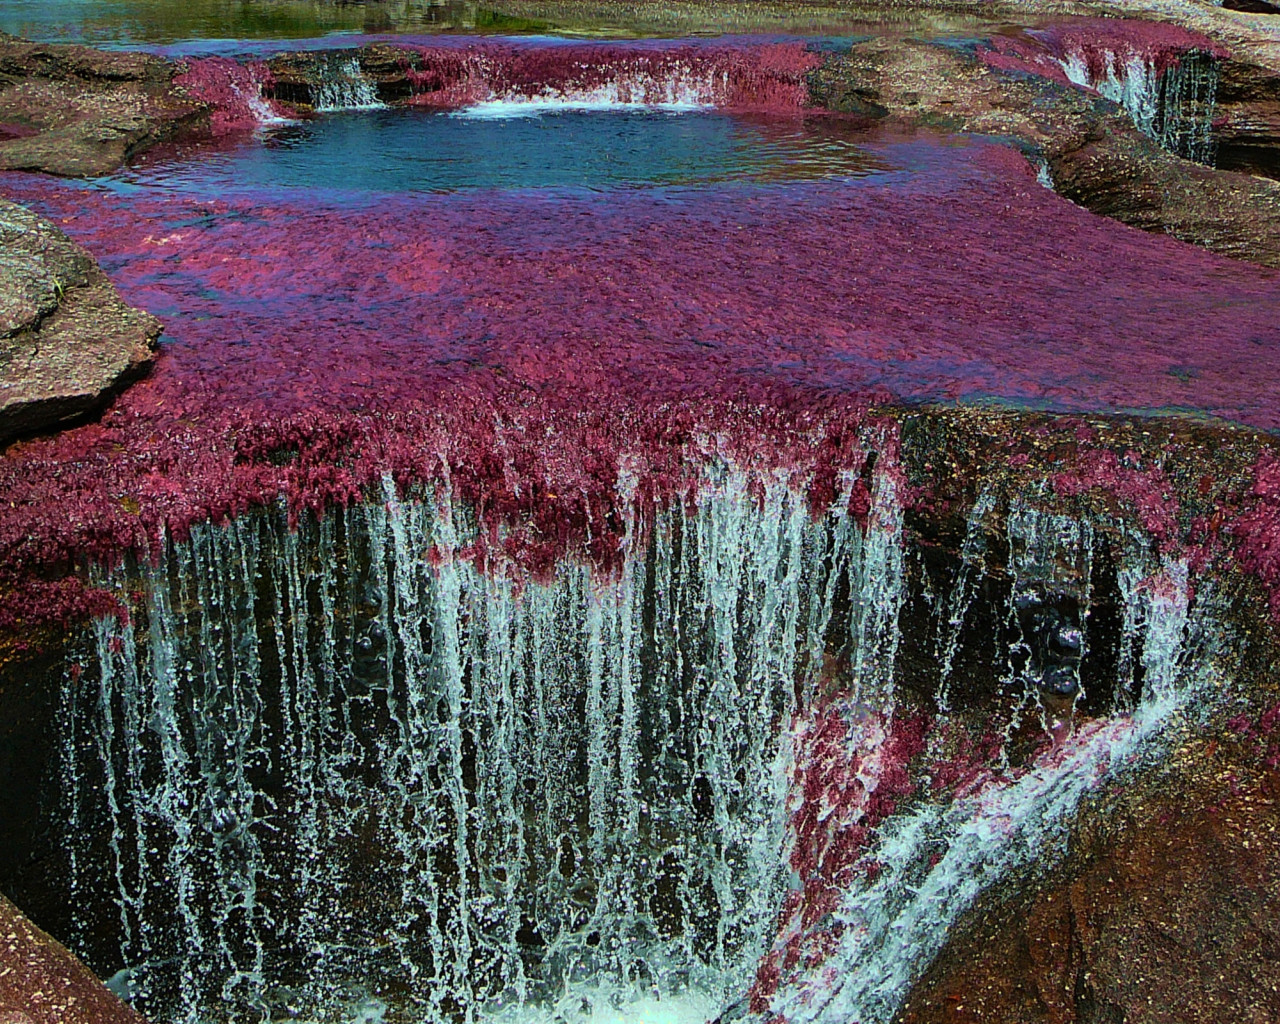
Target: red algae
<point>1101,45</point>
<point>851,772</point>
<point>1145,490</point>
<point>766,78</point>
<point>560,360</point>
<point>1257,529</point>
<point>233,90</point>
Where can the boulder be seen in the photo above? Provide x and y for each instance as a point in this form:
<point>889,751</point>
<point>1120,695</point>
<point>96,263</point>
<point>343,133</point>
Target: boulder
<point>68,341</point>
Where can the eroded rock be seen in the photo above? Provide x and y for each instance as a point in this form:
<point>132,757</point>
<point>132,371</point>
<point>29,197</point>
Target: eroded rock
<point>1248,129</point>
<point>67,340</point>
<point>1164,915</point>
<point>1090,149</point>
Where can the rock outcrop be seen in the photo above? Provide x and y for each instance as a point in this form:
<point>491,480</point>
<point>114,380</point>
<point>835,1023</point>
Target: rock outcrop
<point>41,982</point>
<point>67,340</point>
<point>76,111</point>
<point>1163,915</point>
<point>1248,129</point>
<point>1089,148</point>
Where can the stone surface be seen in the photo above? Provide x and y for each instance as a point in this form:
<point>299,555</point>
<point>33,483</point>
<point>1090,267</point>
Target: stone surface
<point>72,110</point>
<point>1166,914</point>
<point>67,340</point>
<point>1248,127</point>
<point>42,983</point>
<point>1092,151</point>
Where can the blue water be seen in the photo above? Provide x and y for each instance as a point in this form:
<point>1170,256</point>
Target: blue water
<point>406,150</point>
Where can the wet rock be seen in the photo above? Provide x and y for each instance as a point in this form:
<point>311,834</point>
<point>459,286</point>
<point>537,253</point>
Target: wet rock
<point>1089,148</point>
<point>67,340</point>
<point>41,982</point>
<point>1166,916</point>
<point>1127,177</point>
<point>1252,6</point>
<point>76,111</point>
<point>1248,126</point>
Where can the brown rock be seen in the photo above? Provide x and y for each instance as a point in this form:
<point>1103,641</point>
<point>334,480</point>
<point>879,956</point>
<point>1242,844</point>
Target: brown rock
<point>41,982</point>
<point>77,111</point>
<point>67,340</point>
<point>1095,155</point>
<point>1120,173</point>
<point>1167,918</point>
<point>1248,127</point>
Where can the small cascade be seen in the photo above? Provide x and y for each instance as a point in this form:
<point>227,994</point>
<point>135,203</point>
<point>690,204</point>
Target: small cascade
<point>233,91</point>
<point>493,80</point>
<point>1187,107</point>
<point>345,764</point>
<point>926,865</point>
<point>343,86</point>
<point>1171,98</point>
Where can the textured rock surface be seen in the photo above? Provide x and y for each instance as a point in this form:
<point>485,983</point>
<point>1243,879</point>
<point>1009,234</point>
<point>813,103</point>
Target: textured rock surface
<point>67,340</point>
<point>73,110</point>
<point>1167,915</point>
<point>42,983</point>
<point>1094,154</point>
<point>1248,130</point>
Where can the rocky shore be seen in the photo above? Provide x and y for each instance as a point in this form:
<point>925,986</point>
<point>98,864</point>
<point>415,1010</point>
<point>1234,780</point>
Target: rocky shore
<point>67,341</point>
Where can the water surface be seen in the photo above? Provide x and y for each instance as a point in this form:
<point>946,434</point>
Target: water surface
<point>520,145</point>
<point>151,23</point>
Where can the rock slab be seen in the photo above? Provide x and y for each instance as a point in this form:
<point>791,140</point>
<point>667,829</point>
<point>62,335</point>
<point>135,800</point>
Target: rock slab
<point>68,341</point>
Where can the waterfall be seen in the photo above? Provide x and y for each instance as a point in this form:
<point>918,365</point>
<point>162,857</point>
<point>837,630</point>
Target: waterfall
<point>1171,100</point>
<point>343,763</point>
<point>934,860</point>
<point>687,89</point>
<point>332,770</point>
<point>343,86</point>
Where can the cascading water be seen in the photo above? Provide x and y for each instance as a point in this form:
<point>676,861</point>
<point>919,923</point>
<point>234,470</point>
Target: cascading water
<point>927,865</point>
<point>345,771</point>
<point>1172,100</point>
<point>346,763</point>
<point>343,86</point>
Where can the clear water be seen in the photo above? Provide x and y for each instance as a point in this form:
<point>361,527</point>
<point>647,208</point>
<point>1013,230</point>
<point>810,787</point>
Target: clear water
<point>514,147</point>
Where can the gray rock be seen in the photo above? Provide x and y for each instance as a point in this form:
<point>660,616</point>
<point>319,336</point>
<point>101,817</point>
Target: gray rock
<point>68,342</point>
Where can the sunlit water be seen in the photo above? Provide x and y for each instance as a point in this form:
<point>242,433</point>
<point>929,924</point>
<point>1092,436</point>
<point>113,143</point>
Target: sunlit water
<point>536,144</point>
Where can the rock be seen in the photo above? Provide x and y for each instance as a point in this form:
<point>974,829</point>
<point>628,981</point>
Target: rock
<point>76,111</point>
<point>1166,915</point>
<point>1252,6</point>
<point>67,340</point>
<point>1248,126</point>
<point>1093,153</point>
<point>41,982</point>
